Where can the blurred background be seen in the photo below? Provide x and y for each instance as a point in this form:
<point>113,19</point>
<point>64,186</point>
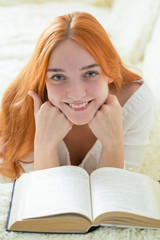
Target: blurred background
<point>133,26</point>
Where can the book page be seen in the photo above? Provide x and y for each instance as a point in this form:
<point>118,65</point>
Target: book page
<point>114,189</point>
<point>58,190</point>
<point>19,194</point>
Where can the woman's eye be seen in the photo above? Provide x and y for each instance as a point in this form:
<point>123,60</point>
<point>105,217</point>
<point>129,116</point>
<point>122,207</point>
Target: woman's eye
<point>91,74</point>
<point>57,77</point>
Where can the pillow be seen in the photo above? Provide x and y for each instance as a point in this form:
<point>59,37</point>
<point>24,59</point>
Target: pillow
<point>131,24</point>
<point>150,65</point>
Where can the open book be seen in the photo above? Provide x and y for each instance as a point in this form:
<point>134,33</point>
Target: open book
<point>67,199</point>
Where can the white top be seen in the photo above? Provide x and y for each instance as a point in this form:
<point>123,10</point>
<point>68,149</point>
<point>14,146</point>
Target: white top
<point>137,122</point>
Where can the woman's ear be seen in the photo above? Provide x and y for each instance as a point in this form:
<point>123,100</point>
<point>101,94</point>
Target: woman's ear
<point>110,80</point>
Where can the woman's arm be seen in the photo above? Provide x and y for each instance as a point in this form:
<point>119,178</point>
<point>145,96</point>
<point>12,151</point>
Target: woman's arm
<point>51,127</point>
<point>112,156</point>
<point>107,127</point>
<point>126,150</point>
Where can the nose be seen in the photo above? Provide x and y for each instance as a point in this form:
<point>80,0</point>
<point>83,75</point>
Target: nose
<point>76,91</point>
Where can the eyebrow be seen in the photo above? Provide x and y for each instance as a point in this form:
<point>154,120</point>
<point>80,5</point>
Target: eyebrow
<point>61,70</point>
<point>90,66</point>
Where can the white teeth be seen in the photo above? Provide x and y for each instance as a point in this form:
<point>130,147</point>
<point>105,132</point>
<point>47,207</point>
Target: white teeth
<point>78,106</point>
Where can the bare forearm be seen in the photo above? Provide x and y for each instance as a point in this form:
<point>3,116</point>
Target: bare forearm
<point>112,156</point>
<point>51,127</point>
<point>45,160</point>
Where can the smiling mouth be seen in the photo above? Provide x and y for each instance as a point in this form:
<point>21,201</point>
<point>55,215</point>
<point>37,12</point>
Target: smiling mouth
<point>78,106</point>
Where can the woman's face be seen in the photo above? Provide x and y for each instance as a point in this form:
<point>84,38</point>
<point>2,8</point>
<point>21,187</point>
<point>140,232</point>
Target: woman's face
<point>75,82</point>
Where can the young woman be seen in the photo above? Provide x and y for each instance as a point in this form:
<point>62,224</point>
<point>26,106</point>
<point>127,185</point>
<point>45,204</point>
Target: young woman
<point>74,103</point>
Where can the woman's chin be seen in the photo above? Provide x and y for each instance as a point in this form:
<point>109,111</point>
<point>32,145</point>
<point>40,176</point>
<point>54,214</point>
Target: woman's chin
<point>80,121</point>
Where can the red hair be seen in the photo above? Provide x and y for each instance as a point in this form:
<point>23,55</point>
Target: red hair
<point>17,125</point>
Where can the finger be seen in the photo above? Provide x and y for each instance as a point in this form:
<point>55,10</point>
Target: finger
<point>36,99</point>
<point>110,99</point>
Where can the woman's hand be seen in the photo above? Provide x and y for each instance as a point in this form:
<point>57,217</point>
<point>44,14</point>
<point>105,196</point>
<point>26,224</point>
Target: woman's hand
<point>51,127</point>
<point>107,127</point>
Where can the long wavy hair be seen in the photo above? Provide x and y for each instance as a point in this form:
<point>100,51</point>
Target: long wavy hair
<point>17,124</point>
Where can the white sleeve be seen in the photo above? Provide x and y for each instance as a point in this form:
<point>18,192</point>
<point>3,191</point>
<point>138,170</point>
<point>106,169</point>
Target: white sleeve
<point>135,143</point>
<point>136,135</point>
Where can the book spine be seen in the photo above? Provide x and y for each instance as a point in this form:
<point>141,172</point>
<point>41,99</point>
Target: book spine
<point>10,206</point>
